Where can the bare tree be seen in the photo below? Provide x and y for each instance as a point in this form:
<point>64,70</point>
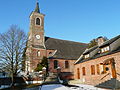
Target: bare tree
<point>12,44</point>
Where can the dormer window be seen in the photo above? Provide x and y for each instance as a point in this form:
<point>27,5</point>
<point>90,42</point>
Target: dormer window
<point>87,56</point>
<point>38,21</point>
<point>105,49</point>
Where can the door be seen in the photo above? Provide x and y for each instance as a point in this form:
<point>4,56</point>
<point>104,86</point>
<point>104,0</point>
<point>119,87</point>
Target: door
<point>113,69</point>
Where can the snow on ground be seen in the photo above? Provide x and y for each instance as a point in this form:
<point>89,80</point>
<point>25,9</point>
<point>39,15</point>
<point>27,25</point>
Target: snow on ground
<point>61,87</point>
<point>54,87</point>
<point>85,87</point>
<point>4,86</point>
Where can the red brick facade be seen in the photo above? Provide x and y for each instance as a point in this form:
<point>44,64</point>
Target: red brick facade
<point>39,46</point>
<point>61,64</point>
<point>99,76</point>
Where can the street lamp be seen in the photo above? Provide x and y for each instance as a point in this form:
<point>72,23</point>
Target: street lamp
<point>58,71</point>
<point>44,73</point>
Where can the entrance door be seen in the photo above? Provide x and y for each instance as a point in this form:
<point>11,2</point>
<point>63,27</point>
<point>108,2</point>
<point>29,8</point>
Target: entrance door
<point>113,69</point>
<point>111,62</point>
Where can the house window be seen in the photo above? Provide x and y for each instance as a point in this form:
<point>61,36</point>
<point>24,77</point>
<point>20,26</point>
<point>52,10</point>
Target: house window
<point>78,73</point>
<point>98,69</point>
<point>87,56</point>
<point>92,70</point>
<point>55,64</point>
<point>105,49</point>
<point>102,68</point>
<point>38,21</point>
<point>38,53</point>
<point>83,70</point>
<point>66,64</point>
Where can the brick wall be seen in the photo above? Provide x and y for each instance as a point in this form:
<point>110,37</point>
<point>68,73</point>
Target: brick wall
<point>61,64</point>
<point>35,60</point>
<point>97,78</point>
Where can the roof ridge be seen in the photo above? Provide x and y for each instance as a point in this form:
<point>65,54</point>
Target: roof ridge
<point>110,40</point>
<point>66,40</point>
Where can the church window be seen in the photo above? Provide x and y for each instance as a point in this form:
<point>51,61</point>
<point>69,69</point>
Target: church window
<point>55,64</point>
<point>83,70</point>
<point>92,70</point>
<point>38,53</point>
<point>38,21</point>
<point>50,52</point>
<point>66,64</point>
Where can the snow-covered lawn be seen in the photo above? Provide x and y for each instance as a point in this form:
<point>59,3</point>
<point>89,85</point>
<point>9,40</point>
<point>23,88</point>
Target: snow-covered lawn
<point>61,87</point>
<point>85,87</point>
<point>54,87</point>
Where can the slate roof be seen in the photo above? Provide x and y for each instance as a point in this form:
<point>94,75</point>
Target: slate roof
<point>110,41</point>
<point>37,10</point>
<point>38,46</point>
<point>89,50</point>
<point>65,49</point>
<point>97,48</point>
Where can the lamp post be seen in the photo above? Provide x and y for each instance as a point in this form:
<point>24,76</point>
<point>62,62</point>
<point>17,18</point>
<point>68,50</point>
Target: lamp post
<point>58,71</point>
<point>44,73</point>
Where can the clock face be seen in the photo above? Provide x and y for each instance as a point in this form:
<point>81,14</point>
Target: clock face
<point>38,36</point>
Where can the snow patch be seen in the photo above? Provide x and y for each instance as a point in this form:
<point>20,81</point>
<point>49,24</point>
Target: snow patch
<point>54,87</point>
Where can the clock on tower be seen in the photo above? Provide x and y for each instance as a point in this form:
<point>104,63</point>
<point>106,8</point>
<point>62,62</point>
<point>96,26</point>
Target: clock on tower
<point>36,47</point>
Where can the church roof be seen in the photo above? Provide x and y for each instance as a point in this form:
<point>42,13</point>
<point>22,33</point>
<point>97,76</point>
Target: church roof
<point>65,49</point>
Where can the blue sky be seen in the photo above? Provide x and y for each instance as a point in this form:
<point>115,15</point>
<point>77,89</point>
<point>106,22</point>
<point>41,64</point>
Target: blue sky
<point>76,20</point>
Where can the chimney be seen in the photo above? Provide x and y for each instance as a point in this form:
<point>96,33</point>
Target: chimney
<point>100,40</point>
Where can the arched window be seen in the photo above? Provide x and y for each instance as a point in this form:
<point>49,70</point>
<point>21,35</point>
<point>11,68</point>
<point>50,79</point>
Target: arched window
<point>38,53</point>
<point>38,21</point>
<point>55,64</point>
<point>50,52</point>
<point>83,70</point>
<point>98,69</point>
<point>92,70</point>
<point>66,64</point>
<point>78,73</point>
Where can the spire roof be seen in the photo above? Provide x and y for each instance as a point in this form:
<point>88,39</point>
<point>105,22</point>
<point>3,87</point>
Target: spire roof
<point>37,8</point>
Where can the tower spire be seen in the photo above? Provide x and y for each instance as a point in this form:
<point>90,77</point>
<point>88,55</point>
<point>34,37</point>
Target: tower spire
<point>37,7</point>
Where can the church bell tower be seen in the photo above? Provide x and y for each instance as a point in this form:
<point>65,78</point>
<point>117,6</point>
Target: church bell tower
<point>36,35</point>
<point>36,43</point>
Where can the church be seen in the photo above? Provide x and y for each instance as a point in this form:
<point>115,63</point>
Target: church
<point>60,53</point>
<point>98,65</point>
